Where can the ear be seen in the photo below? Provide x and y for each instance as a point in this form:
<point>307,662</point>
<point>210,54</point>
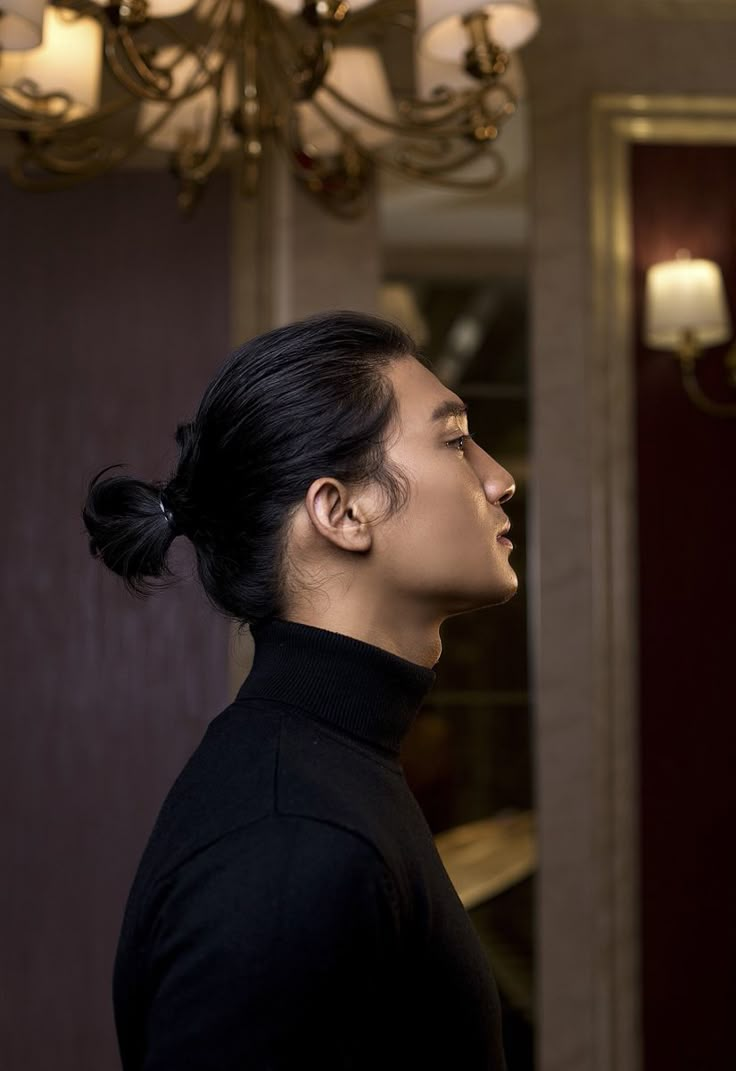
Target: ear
<point>338,515</point>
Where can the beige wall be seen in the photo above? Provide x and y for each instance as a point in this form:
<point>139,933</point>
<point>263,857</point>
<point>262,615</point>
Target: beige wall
<point>587,937</point>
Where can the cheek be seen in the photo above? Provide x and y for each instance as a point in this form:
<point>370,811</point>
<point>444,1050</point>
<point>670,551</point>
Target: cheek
<point>446,505</point>
<point>445,513</point>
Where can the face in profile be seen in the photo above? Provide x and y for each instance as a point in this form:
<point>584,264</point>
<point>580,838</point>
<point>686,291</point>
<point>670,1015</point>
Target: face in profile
<point>439,556</point>
<point>443,549</point>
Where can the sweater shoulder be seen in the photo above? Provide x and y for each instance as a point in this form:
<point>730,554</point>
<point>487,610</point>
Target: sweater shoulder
<point>260,759</point>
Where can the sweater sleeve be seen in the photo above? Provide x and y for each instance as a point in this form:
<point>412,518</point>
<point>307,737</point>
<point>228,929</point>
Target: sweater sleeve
<point>277,947</point>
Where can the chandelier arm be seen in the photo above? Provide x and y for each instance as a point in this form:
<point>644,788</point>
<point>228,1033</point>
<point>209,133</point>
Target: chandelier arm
<point>49,126</point>
<point>157,76</point>
<point>35,100</point>
<point>310,63</point>
<point>213,44</point>
<point>697,394</point>
<point>41,147</point>
<point>120,37</point>
<point>213,10</point>
<point>51,181</point>
<point>65,172</point>
<point>458,101</point>
<point>437,176</point>
<point>279,95</point>
<point>261,69</point>
<point>75,172</point>
<point>13,126</point>
<point>202,164</point>
<point>412,127</point>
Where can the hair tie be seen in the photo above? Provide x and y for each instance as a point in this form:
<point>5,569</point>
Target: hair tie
<point>169,517</point>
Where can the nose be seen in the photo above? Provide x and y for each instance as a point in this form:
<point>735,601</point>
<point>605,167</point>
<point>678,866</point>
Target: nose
<point>499,484</point>
<point>508,493</point>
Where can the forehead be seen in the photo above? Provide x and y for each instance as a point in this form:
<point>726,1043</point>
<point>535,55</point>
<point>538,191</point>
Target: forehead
<point>420,394</point>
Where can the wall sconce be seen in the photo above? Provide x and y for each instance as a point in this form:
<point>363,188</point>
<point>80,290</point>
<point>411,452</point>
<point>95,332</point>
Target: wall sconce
<point>686,311</point>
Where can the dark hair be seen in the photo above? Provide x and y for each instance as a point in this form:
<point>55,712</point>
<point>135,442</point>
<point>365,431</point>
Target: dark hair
<point>306,400</point>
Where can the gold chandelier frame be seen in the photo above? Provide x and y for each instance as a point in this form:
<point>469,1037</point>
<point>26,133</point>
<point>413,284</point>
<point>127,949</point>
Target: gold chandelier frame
<point>446,139</point>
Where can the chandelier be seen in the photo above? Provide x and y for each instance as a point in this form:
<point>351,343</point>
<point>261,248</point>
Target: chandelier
<point>209,81</point>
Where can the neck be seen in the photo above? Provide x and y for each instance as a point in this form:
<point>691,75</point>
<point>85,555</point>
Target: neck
<point>358,688</point>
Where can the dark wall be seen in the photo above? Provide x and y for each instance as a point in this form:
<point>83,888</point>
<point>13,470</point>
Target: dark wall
<point>114,317</point>
<point>684,196</point>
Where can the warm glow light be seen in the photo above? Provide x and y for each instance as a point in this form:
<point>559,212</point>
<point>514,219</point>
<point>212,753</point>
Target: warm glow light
<point>191,120</point>
<point>685,295</point>
<point>358,74</point>
<point>20,24</point>
<point>293,7</point>
<point>69,61</point>
<point>511,23</point>
<point>162,9</point>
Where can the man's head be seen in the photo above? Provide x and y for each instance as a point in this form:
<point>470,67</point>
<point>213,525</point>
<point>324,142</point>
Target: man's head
<point>327,477</point>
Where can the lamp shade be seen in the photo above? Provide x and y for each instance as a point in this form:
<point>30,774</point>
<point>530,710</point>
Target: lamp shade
<point>511,23</point>
<point>191,120</point>
<point>358,73</point>
<point>685,295</point>
<point>69,61</point>
<point>21,22</point>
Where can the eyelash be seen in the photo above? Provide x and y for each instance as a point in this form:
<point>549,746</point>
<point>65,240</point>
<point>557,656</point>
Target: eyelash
<point>459,439</point>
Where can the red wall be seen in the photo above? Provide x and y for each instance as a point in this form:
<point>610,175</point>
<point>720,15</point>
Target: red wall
<point>685,196</point>
<point>114,316</point>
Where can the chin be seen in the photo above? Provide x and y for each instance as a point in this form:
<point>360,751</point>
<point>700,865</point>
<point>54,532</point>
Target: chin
<point>504,591</point>
<point>510,592</point>
<point>501,593</point>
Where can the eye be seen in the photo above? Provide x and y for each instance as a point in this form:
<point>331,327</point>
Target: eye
<point>461,440</point>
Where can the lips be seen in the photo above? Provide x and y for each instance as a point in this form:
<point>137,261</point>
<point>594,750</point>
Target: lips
<point>501,535</point>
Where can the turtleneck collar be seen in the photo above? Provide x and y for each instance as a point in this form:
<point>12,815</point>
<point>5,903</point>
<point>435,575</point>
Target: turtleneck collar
<point>352,686</point>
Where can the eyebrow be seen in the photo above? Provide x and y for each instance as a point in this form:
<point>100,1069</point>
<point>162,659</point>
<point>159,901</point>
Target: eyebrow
<point>448,408</point>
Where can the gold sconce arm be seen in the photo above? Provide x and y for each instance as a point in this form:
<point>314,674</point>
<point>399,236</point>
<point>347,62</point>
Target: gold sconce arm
<point>688,353</point>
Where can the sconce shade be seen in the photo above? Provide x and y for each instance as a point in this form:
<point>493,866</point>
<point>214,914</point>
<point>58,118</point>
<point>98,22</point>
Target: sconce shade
<point>358,73</point>
<point>511,23</point>
<point>685,295</point>
<point>69,60</point>
<point>21,22</point>
<point>191,120</point>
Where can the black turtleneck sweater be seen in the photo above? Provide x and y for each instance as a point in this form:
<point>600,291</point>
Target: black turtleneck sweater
<point>290,910</point>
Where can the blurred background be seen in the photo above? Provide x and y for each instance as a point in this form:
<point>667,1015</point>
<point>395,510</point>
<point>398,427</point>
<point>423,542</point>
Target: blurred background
<point>557,228</point>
